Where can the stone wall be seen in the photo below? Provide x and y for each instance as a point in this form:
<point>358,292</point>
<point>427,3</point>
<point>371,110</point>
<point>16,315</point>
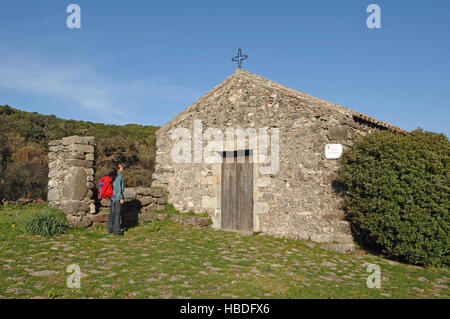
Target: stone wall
<point>71,178</point>
<point>22,201</point>
<point>137,200</point>
<point>71,186</point>
<point>196,221</point>
<point>300,199</point>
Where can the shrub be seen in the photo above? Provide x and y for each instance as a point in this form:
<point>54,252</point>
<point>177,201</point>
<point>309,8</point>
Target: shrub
<point>47,223</point>
<point>397,195</point>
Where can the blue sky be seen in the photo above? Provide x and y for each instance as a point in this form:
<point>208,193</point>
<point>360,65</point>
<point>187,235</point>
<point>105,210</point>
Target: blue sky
<point>145,61</point>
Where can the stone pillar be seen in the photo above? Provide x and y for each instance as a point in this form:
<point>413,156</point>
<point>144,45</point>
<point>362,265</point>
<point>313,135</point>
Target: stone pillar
<point>71,178</point>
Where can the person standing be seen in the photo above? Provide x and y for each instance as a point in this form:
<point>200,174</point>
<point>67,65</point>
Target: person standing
<point>116,200</point>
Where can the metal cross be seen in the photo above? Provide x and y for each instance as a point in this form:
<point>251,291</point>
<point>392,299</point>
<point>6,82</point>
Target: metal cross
<point>239,58</point>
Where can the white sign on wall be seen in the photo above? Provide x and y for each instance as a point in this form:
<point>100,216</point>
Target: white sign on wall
<point>333,151</point>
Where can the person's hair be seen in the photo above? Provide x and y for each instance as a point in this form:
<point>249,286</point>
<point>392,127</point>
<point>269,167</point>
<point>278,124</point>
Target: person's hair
<point>114,171</point>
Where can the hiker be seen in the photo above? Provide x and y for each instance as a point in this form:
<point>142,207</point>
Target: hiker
<point>116,200</point>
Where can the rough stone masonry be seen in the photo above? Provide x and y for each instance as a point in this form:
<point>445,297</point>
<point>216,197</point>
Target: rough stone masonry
<point>71,186</point>
<point>71,178</point>
<point>299,200</point>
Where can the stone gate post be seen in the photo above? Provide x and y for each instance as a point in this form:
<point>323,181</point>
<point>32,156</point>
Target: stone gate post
<point>71,178</point>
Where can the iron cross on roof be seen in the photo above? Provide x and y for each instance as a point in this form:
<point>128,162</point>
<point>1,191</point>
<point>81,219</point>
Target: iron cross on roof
<point>239,58</point>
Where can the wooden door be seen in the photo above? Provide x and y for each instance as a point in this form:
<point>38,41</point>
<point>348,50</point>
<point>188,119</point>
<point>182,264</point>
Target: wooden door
<point>237,195</point>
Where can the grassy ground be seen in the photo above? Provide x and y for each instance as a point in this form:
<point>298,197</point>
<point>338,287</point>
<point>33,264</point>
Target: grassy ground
<point>168,260</point>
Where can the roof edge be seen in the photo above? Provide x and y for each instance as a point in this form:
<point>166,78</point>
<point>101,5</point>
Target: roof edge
<point>296,93</point>
<point>209,93</point>
<point>289,91</point>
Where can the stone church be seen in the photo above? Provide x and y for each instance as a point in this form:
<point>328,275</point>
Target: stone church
<point>260,157</point>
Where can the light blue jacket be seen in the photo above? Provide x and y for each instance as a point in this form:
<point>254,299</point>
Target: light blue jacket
<point>118,188</point>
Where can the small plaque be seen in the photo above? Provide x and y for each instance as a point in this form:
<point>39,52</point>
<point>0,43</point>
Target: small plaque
<point>333,151</point>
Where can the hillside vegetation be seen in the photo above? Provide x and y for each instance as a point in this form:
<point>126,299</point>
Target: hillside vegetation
<point>23,150</point>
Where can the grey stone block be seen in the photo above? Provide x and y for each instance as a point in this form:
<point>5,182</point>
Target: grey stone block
<point>161,201</point>
<point>145,200</point>
<point>79,163</point>
<point>79,221</point>
<point>158,192</point>
<point>147,217</point>
<point>129,193</point>
<point>74,185</point>
<point>162,216</point>
<point>72,140</point>
<point>53,195</point>
<point>106,202</point>
<point>71,207</point>
<point>145,191</point>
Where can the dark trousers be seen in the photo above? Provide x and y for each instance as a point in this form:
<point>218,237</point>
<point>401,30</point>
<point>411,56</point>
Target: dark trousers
<point>114,217</point>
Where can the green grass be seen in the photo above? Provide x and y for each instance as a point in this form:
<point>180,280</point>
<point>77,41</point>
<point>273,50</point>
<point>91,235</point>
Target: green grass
<point>170,260</point>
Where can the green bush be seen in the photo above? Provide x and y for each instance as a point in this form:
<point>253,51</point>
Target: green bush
<point>47,223</point>
<point>397,195</point>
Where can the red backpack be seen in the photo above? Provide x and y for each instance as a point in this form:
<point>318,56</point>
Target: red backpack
<point>105,187</point>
